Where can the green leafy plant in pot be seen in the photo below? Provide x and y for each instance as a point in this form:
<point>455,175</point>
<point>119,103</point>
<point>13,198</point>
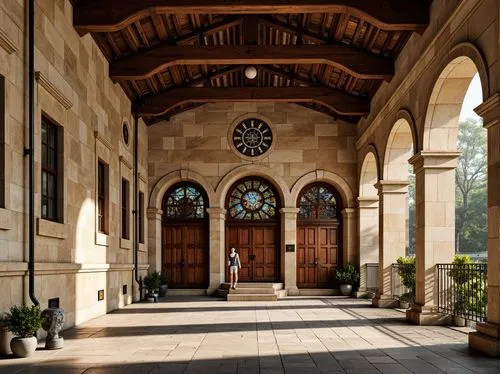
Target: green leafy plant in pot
<point>347,277</point>
<point>407,273</point>
<point>23,322</point>
<point>152,283</point>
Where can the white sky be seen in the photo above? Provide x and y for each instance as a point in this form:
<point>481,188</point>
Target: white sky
<point>473,98</point>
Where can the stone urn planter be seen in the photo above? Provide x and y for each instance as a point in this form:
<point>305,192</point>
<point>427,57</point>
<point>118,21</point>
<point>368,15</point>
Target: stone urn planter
<point>459,321</point>
<point>404,304</point>
<point>23,347</point>
<point>163,290</point>
<point>52,322</point>
<point>5,338</point>
<point>346,289</point>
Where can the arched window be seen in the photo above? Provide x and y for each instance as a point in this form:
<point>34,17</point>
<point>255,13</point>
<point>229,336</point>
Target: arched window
<point>318,202</point>
<point>252,199</point>
<point>185,201</point>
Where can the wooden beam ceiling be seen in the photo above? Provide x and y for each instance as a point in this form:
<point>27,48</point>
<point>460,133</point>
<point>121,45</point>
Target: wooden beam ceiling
<point>113,15</point>
<point>360,64</point>
<point>337,101</point>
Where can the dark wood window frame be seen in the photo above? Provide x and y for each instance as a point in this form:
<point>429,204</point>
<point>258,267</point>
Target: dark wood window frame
<point>102,197</point>
<point>125,209</point>
<point>141,217</point>
<point>51,176</point>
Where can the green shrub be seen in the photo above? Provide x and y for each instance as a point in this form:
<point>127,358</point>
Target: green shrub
<point>152,281</point>
<point>407,272</point>
<point>468,286</point>
<point>347,275</point>
<point>24,321</point>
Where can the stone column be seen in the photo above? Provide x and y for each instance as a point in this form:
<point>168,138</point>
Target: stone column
<point>435,211</point>
<point>368,238</point>
<point>487,336</point>
<point>217,244</point>
<point>392,236</point>
<point>154,238</point>
<point>289,259</point>
<point>349,235</point>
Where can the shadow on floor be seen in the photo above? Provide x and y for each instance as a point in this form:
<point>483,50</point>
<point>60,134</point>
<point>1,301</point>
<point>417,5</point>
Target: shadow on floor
<point>429,360</point>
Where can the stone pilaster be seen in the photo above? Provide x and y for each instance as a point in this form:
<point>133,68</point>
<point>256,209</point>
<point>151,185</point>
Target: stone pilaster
<point>435,210</point>
<point>349,234</point>
<point>217,218</point>
<point>154,238</point>
<point>392,236</point>
<point>487,336</point>
<point>368,238</point>
<point>289,259</point>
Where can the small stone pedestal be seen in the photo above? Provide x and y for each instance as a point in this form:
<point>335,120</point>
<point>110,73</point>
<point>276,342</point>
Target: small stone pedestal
<point>52,322</point>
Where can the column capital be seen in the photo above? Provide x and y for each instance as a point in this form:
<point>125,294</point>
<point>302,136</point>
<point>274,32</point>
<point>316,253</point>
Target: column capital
<point>154,213</point>
<point>392,187</point>
<point>219,213</point>
<point>434,160</point>
<point>368,202</point>
<point>490,110</point>
<point>289,211</point>
<point>349,212</point>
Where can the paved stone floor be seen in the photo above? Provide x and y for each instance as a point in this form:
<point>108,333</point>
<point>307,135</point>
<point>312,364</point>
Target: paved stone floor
<point>295,335</point>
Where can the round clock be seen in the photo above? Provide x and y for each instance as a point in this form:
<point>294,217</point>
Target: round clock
<point>252,137</point>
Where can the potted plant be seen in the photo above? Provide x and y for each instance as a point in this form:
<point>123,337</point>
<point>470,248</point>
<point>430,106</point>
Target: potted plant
<point>152,283</point>
<point>466,288</point>
<point>406,299</point>
<point>24,322</point>
<point>407,271</point>
<point>347,277</point>
<point>163,285</point>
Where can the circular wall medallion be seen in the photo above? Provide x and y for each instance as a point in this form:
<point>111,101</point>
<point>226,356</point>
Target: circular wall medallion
<point>125,133</point>
<point>252,137</point>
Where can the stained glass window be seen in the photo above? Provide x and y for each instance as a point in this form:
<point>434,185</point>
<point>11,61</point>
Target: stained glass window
<point>185,202</point>
<point>318,202</point>
<point>252,199</point>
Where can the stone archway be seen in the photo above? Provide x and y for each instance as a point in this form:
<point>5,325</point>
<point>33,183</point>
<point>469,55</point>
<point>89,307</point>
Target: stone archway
<point>435,168</point>
<point>393,204</point>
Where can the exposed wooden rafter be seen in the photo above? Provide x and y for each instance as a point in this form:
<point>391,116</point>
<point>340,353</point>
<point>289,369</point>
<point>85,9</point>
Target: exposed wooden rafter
<point>113,15</point>
<point>336,101</point>
<point>358,63</point>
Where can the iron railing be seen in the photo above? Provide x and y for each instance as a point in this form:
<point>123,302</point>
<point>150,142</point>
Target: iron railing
<point>397,287</point>
<point>462,290</point>
<point>371,277</point>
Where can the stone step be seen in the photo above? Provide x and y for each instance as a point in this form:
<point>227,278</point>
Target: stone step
<point>318,292</point>
<point>276,286</point>
<point>248,290</point>
<point>251,297</point>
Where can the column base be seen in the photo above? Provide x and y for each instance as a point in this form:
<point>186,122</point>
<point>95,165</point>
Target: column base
<point>384,301</point>
<point>292,291</point>
<point>427,316</point>
<point>486,339</point>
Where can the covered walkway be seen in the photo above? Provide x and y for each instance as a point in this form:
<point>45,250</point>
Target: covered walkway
<point>294,335</point>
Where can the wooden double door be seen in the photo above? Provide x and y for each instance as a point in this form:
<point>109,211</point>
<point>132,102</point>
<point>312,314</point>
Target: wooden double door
<point>185,255</point>
<point>317,255</point>
<point>258,249</point>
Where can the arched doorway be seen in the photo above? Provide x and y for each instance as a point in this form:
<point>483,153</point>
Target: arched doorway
<point>319,234</point>
<point>253,229</point>
<point>185,252</point>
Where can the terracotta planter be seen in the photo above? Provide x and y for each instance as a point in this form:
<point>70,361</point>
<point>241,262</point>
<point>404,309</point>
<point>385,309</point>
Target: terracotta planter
<point>459,321</point>
<point>23,347</point>
<point>346,289</point>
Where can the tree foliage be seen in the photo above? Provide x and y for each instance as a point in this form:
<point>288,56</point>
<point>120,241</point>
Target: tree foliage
<point>471,188</point>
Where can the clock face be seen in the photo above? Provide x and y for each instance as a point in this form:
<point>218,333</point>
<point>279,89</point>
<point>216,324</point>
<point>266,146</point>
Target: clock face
<point>252,137</point>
